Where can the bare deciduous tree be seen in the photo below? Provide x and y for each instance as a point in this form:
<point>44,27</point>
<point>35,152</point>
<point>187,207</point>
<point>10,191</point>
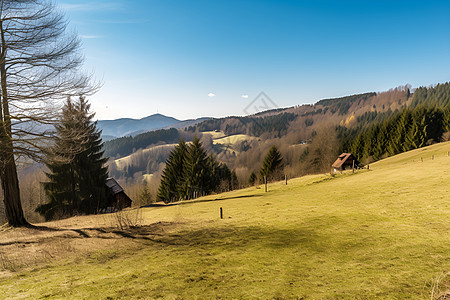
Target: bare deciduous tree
<point>39,65</point>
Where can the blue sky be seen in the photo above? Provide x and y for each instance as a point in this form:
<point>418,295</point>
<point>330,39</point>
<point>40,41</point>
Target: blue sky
<point>171,56</point>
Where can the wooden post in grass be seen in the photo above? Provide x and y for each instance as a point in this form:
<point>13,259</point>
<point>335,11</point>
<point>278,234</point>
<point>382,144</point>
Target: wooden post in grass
<point>221,213</point>
<point>265,184</point>
<point>432,157</point>
<point>285,179</point>
<point>421,159</point>
<point>353,167</point>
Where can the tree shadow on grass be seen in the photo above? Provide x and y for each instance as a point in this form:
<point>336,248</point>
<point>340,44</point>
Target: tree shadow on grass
<point>198,201</point>
<point>231,237</point>
<point>224,237</point>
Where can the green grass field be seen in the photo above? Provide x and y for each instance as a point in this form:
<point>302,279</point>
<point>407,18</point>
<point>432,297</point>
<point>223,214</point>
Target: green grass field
<point>233,139</point>
<point>379,233</point>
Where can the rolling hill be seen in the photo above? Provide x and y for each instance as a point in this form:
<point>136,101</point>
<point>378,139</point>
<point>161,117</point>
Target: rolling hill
<point>127,126</point>
<point>132,127</point>
<point>378,233</point>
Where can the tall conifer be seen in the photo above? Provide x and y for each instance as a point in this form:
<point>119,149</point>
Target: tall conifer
<point>172,178</point>
<point>77,171</point>
<point>272,164</point>
<point>196,171</point>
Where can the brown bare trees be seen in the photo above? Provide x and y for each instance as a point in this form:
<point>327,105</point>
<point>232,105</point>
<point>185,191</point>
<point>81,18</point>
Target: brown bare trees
<point>39,64</point>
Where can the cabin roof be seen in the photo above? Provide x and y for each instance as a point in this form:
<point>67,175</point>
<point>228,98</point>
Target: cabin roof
<point>342,159</point>
<point>113,185</point>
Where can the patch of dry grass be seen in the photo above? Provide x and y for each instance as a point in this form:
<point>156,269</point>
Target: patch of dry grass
<point>441,287</point>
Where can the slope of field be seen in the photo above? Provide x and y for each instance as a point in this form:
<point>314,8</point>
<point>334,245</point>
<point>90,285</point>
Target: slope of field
<point>233,139</point>
<point>122,162</point>
<point>378,233</point>
<point>215,134</point>
<point>218,138</point>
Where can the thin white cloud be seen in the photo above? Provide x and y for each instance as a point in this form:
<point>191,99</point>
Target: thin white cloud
<point>90,6</point>
<point>211,95</point>
<point>122,21</point>
<point>245,96</point>
<point>83,36</point>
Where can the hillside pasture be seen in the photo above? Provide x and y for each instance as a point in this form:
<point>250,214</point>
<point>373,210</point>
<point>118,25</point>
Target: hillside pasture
<point>215,134</point>
<point>377,233</point>
<point>233,139</point>
<point>121,163</point>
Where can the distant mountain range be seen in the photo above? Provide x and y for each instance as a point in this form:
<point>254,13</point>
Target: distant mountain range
<point>130,127</point>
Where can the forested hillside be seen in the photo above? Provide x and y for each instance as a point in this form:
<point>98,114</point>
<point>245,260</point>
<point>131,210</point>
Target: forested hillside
<point>343,104</point>
<point>272,126</point>
<point>309,137</point>
<point>438,95</point>
<point>126,145</point>
<point>423,123</point>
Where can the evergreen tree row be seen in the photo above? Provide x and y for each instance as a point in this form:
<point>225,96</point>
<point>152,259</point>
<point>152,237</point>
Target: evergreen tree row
<point>77,172</point>
<point>438,95</point>
<point>275,125</point>
<point>191,173</point>
<point>342,105</point>
<point>378,135</point>
<point>410,129</point>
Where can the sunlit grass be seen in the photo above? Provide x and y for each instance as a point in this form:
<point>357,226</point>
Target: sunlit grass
<point>382,232</point>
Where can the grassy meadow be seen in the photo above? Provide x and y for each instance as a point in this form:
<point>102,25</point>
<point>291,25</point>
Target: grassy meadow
<point>379,233</point>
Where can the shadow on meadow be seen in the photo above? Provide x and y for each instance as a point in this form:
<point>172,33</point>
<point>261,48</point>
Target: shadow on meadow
<point>45,244</point>
<point>199,201</point>
<point>232,237</point>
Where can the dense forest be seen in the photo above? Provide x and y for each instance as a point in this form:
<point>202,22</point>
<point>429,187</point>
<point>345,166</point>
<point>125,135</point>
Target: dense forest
<point>410,129</point>
<point>274,126</point>
<point>126,145</point>
<point>438,95</point>
<point>343,104</point>
<point>422,123</point>
<point>190,173</point>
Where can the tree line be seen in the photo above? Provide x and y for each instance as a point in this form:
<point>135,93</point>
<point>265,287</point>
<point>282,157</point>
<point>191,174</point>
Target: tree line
<point>422,123</point>
<point>274,126</point>
<point>124,146</point>
<point>407,130</point>
<point>342,105</point>
<point>190,173</point>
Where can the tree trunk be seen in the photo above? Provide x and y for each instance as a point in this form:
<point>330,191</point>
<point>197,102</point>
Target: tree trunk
<point>8,174</point>
<point>11,195</point>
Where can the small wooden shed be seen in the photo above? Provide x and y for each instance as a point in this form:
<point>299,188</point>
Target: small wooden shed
<point>118,199</point>
<point>345,161</point>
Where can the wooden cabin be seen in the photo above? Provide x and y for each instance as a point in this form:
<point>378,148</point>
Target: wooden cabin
<point>118,199</point>
<point>345,161</point>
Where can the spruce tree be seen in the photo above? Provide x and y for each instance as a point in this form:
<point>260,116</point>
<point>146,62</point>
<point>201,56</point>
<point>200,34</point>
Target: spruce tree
<point>191,173</point>
<point>77,172</point>
<point>172,178</point>
<point>273,162</point>
<point>252,178</point>
<point>196,171</point>
<point>90,164</point>
<point>216,173</point>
